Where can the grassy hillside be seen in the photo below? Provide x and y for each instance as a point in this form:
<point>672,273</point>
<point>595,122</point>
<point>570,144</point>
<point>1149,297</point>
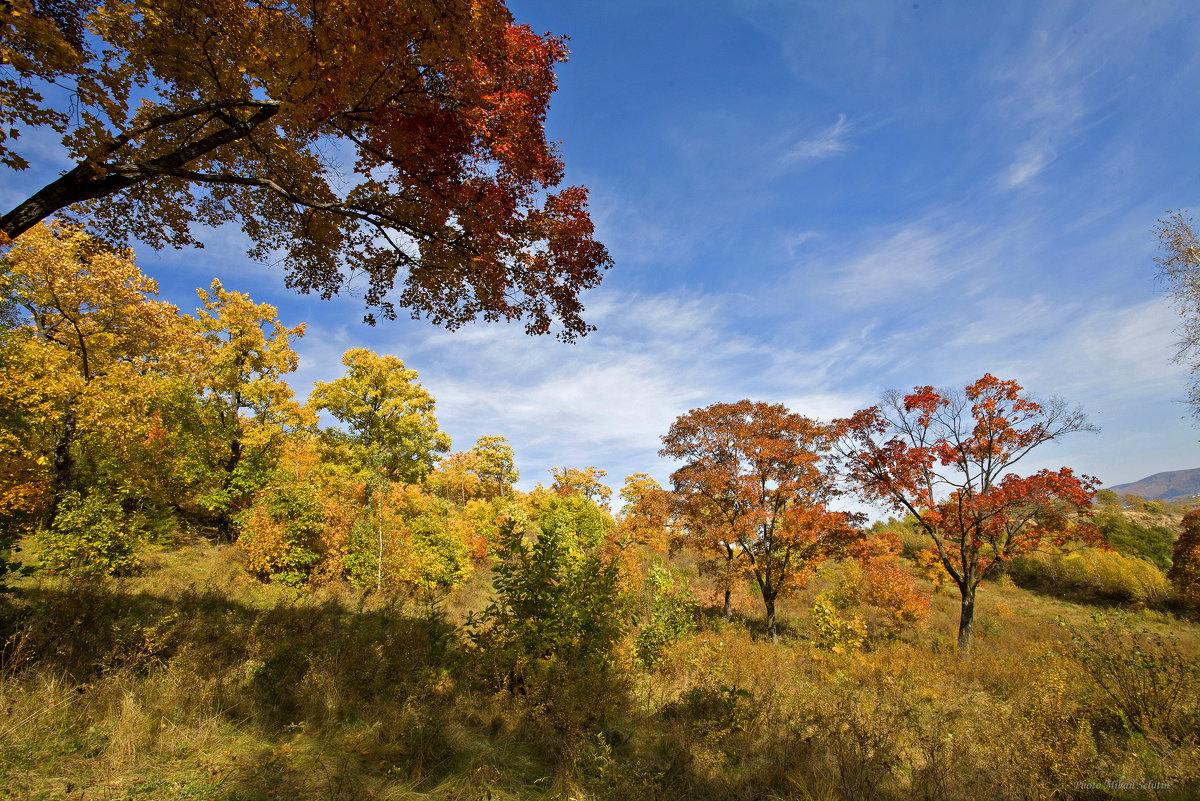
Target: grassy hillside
<point>192,680</point>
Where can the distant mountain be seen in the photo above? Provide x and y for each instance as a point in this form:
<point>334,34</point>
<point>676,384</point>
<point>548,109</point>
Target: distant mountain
<point>1173,485</point>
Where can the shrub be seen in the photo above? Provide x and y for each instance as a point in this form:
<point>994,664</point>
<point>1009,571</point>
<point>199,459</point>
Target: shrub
<point>1150,684</point>
<point>1185,567</point>
<point>835,632</point>
<point>412,542</point>
<point>889,588</point>
<point>930,568</point>
<point>92,536</point>
<point>280,533</point>
<point>1106,574</point>
<point>552,628</point>
<point>670,614</point>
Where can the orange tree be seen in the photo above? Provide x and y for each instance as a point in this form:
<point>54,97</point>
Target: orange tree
<point>944,457</point>
<point>755,485</point>
<point>178,112</point>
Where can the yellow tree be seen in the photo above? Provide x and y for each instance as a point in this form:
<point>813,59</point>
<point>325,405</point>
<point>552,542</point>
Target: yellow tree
<point>246,404</point>
<point>391,433</point>
<point>648,512</point>
<point>185,112</point>
<point>457,477</point>
<point>102,333</point>
<point>496,463</point>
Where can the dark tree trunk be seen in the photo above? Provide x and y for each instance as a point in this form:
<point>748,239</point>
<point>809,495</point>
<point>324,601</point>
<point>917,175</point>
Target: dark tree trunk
<point>728,607</point>
<point>771,627</point>
<point>225,521</point>
<point>64,466</point>
<point>965,620</point>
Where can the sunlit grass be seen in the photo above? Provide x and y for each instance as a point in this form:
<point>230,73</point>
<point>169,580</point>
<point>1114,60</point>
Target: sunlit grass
<point>192,680</point>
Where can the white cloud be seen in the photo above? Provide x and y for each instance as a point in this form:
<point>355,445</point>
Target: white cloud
<point>833,141</point>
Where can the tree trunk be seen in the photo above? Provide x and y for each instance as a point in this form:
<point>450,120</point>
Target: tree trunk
<point>225,521</point>
<point>64,466</point>
<point>770,602</point>
<point>964,622</point>
<point>728,613</point>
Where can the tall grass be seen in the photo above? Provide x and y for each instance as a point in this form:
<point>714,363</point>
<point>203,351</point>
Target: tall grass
<point>174,686</point>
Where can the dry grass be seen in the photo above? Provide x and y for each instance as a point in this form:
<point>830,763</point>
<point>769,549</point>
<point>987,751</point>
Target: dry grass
<point>194,681</point>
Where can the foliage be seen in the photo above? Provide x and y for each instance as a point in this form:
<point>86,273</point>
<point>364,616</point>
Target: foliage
<point>889,588</point>
<point>495,463</point>
<point>670,609</point>
<point>647,516</point>
<point>586,482</point>
<point>456,478</point>
<point>1185,563</point>
<point>835,631</point>
<point>100,347</point>
<point>1105,574</point>
<point>930,568</point>
<point>406,540</point>
<point>440,107</point>
<point>1149,683</point>
<point>1179,268</point>
<point>297,527</point>
<point>943,457</point>
<point>392,433</point>
<point>552,627</point>
<point>575,515</point>
<point>92,536</point>
<point>281,533</point>
<point>246,354</point>
<point>753,476</point>
<point>1152,543</point>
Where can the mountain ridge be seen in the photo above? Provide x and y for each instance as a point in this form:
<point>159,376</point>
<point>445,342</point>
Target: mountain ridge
<point>1169,485</point>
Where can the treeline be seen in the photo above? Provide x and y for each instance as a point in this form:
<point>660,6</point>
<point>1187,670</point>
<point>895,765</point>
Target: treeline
<point>125,422</point>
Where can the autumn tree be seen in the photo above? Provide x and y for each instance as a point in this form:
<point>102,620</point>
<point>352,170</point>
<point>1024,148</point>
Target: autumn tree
<point>1185,564</point>
<point>754,481</point>
<point>247,406</point>
<point>390,427</point>
<point>456,477</point>
<point>944,457</point>
<point>177,113</point>
<point>101,338</point>
<point>1179,269</point>
<point>648,512</point>
<point>495,463</point>
<point>568,480</point>
<point>390,432</point>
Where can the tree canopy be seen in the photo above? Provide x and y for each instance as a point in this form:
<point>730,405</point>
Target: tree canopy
<point>753,486</point>
<point>403,143</point>
<point>944,456</point>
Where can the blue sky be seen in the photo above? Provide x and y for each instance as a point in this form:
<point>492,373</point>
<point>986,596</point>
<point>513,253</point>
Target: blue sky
<point>812,203</point>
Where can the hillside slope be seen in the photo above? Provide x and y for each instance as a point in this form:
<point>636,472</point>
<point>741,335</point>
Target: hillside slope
<point>1172,485</point>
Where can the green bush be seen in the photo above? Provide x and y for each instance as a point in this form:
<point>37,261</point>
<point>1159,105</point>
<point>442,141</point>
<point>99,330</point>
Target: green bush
<point>582,519</point>
<point>92,536</point>
<point>670,614</point>
<point>552,628</point>
<point>1152,543</point>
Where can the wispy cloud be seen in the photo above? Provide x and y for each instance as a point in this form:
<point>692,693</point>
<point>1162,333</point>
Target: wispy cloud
<point>833,141</point>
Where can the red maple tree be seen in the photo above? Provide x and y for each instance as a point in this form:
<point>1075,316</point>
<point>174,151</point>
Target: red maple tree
<point>945,458</point>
